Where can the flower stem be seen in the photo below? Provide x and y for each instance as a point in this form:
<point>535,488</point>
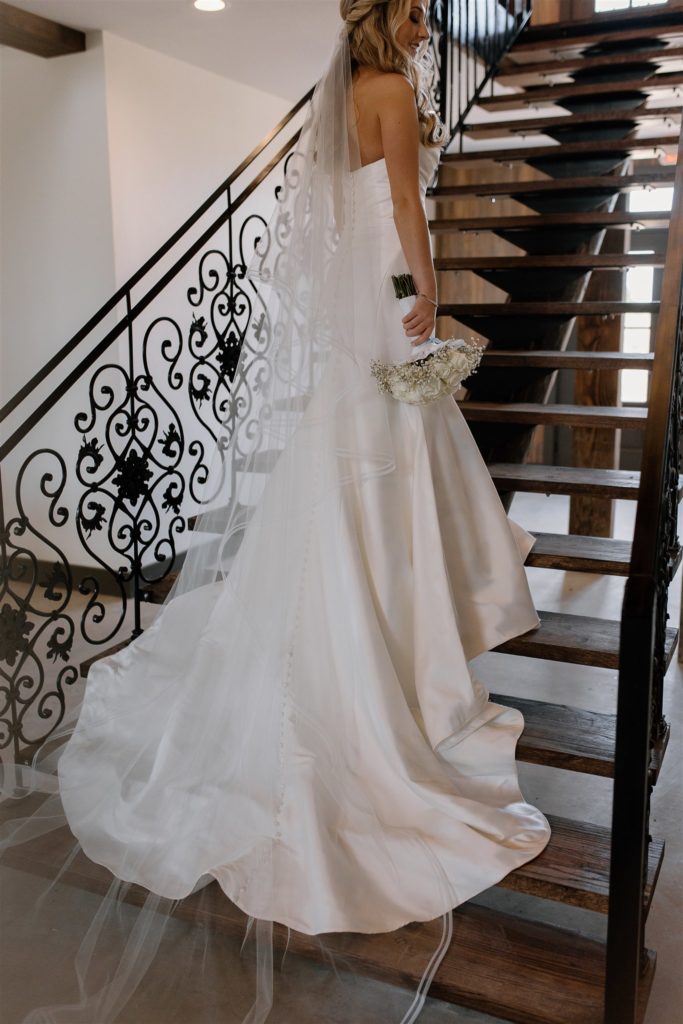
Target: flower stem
<point>404,286</point>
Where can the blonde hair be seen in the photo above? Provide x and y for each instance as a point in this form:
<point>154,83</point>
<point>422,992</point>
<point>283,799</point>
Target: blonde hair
<point>372,26</point>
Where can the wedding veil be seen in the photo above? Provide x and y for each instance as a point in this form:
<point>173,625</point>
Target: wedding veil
<point>132,789</point>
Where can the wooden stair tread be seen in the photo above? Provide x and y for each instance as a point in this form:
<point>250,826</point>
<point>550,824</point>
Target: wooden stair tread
<point>84,667</point>
<point>560,414</point>
<point>574,739</point>
<point>509,68</point>
<point>576,640</point>
<point>219,514</point>
<point>587,261</point>
<point>580,553</point>
<point>598,22</point>
<point>554,93</point>
<point>551,551</point>
<point>543,479</point>
<point>541,974</point>
<point>561,149</point>
<point>562,736</point>
<point>525,125</point>
<point>544,308</point>
<point>574,867</point>
<point>572,360</point>
<point>573,639</point>
<point>579,43</point>
<point>611,183</point>
<point>608,219</point>
<point>529,43</point>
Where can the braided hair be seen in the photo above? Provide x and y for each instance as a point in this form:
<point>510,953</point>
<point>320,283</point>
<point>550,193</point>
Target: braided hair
<point>371,25</point>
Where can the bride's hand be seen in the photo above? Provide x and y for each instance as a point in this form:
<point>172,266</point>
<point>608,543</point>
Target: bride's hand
<point>420,321</point>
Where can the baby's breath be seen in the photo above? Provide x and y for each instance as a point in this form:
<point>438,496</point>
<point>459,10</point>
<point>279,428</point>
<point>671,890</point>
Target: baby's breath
<point>421,381</point>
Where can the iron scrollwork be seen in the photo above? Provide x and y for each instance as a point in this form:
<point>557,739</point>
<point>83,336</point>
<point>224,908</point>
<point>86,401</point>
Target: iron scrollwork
<point>34,615</point>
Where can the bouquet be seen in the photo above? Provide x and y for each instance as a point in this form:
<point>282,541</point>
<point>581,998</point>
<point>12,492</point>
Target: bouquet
<point>435,368</point>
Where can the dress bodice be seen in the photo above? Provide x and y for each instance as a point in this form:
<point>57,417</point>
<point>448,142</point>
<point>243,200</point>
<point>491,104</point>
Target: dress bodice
<point>428,159</point>
<point>371,192</point>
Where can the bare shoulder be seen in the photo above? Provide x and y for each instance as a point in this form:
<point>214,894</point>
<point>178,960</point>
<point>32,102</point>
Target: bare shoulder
<point>390,87</point>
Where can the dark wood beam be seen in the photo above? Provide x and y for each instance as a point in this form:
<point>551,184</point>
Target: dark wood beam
<point>594,446</point>
<point>34,34</point>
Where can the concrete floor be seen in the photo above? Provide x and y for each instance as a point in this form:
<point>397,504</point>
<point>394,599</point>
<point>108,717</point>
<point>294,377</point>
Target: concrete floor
<point>66,911</point>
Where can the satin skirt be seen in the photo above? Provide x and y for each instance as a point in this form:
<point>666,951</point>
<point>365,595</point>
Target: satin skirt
<point>380,787</point>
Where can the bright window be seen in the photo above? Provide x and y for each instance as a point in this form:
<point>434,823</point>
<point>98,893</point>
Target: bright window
<point>637,327</point>
<point>640,200</point>
<point>637,331</point>
<point>622,5</point>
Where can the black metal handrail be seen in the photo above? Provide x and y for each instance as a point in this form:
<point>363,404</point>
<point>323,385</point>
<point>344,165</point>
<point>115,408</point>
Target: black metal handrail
<point>642,729</point>
<point>120,295</point>
<point>126,490</point>
<point>471,38</point>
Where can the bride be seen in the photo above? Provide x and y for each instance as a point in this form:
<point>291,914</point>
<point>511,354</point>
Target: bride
<point>298,736</point>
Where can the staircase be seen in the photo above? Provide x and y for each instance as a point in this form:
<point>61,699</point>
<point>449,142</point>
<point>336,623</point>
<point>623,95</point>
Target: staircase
<point>564,201</point>
<point>544,974</point>
<point>619,78</point>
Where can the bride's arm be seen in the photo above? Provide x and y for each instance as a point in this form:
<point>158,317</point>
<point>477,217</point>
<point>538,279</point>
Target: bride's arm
<point>399,126</point>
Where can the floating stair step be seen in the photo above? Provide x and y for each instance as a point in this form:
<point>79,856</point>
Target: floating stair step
<point>214,520</point>
<point>564,360</point>
<point>583,261</point>
<point>527,125</point>
<point>612,416</point>
<point>541,308</point>
<point>609,183</point>
<point>84,666</point>
<point>561,150</point>
<point>573,552</point>
<point>560,736</point>
<point>574,867</point>
<point>536,478</point>
<point>530,43</point>
<point>510,68</point>
<point>557,93</point>
<point>540,974</point>
<point>576,640</point>
<point>650,20</point>
<point>594,219</point>
<point>157,592</point>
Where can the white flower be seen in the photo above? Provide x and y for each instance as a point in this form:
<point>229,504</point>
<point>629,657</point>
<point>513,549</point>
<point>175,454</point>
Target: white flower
<point>428,375</point>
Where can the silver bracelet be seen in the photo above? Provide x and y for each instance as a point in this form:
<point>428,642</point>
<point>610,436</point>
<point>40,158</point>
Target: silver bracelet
<point>433,301</point>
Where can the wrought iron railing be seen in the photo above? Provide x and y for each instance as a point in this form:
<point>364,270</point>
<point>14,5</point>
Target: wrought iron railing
<point>469,38</point>
<point>642,730</point>
<point>106,445</point>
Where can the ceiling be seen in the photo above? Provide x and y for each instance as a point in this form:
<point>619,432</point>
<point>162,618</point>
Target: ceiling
<point>280,46</point>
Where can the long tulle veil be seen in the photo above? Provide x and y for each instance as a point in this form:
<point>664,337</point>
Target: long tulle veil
<point>132,783</point>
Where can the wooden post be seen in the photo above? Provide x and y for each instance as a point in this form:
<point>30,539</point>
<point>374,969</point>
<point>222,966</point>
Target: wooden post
<point>550,11</point>
<point>598,447</point>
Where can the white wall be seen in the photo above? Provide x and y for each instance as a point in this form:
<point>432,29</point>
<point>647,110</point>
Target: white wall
<point>175,132</point>
<point>103,155</point>
<point>55,203</point>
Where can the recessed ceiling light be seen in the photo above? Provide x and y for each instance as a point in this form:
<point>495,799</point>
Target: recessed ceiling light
<point>210,5</point>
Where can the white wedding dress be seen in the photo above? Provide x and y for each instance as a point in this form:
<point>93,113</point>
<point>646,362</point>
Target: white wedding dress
<point>382,787</point>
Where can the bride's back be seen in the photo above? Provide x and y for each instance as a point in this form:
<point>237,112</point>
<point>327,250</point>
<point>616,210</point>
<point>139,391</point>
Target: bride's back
<point>366,108</point>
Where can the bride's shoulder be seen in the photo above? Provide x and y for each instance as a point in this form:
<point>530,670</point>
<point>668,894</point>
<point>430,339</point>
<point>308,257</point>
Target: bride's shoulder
<point>373,80</point>
<point>388,88</point>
